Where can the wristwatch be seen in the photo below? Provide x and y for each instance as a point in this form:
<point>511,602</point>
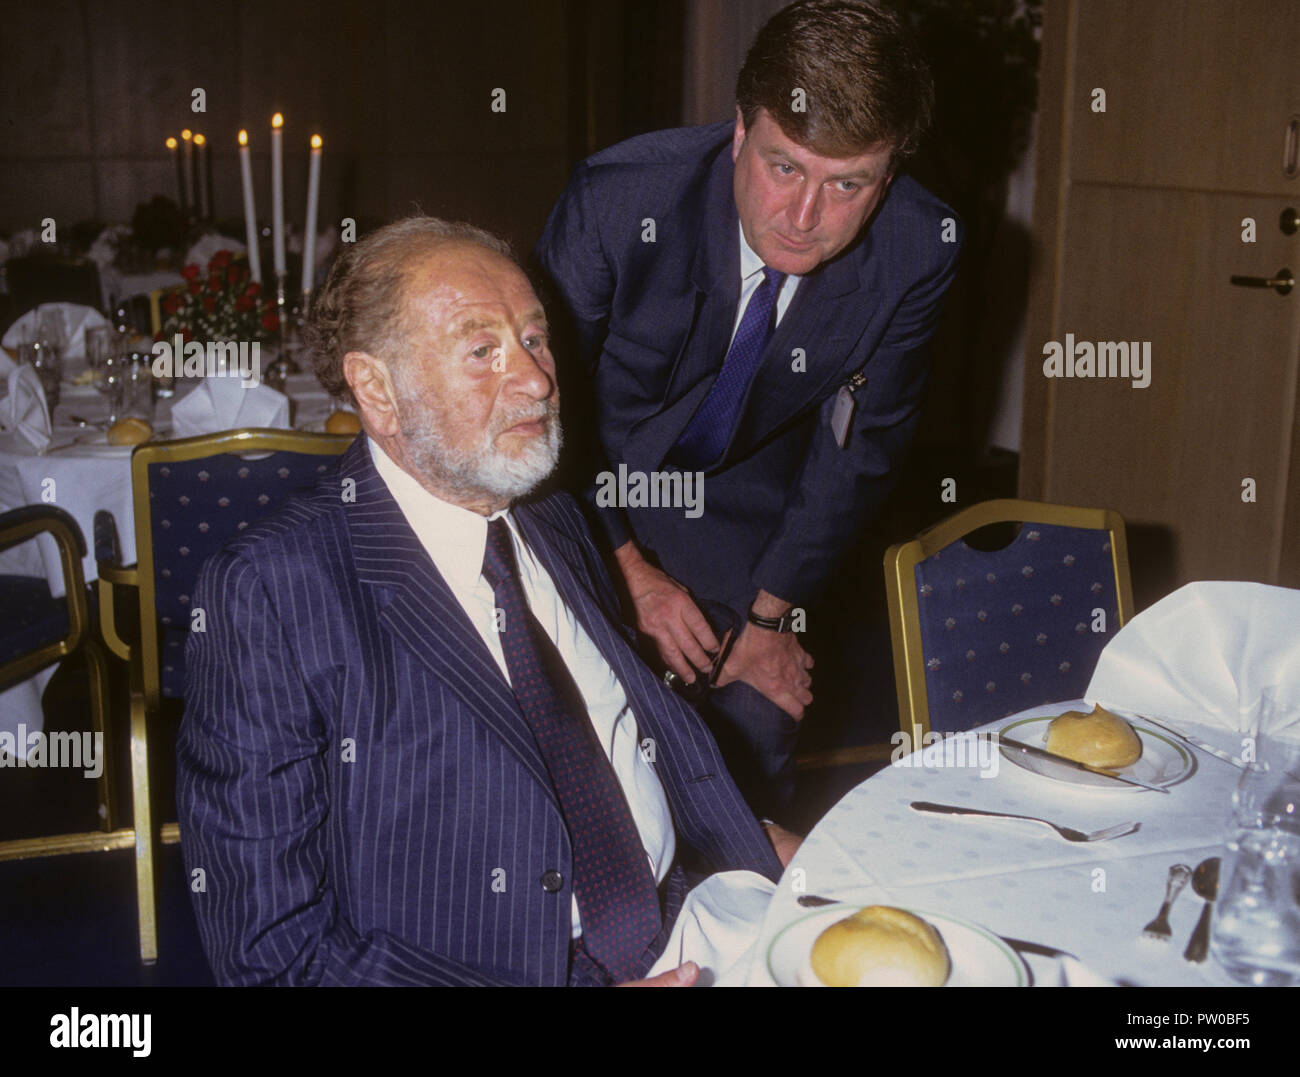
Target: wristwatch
<point>785,623</point>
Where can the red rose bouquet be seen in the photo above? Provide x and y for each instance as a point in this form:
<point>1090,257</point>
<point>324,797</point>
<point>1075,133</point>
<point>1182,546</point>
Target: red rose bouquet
<point>223,304</point>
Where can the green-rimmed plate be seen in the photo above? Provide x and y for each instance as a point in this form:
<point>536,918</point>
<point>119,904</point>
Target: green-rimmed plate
<point>1164,761</point>
<point>979,958</point>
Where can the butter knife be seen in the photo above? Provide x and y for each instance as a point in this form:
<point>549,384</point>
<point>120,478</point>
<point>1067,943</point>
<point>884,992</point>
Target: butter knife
<point>1042,753</point>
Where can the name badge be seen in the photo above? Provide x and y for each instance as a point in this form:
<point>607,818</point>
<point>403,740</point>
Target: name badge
<point>845,404</point>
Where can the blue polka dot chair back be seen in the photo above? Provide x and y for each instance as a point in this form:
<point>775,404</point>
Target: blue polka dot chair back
<point>982,634</point>
<point>191,496</point>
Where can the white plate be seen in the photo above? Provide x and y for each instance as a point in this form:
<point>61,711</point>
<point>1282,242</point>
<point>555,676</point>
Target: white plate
<point>1164,761</point>
<point>979,958</point>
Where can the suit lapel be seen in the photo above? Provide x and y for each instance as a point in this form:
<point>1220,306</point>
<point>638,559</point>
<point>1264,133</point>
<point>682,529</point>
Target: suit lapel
<point>419,609</point>
<point>827,327</point>
<point>715,273</point>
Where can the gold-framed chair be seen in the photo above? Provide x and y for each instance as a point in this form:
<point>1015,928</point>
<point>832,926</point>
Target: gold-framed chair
<point>197,492</point>
<point>40,630</point>
<point>980,634</point>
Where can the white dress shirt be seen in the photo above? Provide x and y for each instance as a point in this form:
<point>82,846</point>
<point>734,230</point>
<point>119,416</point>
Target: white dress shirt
<point>456,539</point>
<point>751,276</point>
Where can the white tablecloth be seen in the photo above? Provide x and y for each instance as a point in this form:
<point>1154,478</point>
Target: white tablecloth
<point>1019,879</point>
<point>89,474</point>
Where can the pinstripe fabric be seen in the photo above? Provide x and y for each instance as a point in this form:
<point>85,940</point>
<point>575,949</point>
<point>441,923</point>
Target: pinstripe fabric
<point>355,779</point>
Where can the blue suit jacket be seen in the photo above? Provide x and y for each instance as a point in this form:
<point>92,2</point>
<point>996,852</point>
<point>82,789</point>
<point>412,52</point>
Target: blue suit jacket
<point>655,318</point>
<point>356,779</point>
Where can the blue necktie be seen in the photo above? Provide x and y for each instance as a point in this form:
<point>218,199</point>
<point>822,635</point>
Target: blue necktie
<point>705,438</point>
<point>617,897</point>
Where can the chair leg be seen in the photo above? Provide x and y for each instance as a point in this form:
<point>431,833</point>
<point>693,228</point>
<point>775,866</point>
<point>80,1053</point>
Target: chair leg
<point>146,894</point>
<point>102,724</point>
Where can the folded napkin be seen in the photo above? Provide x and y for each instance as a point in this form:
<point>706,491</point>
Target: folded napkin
<point>201,253</point>
<point>220,403</point>
<point>1213,652</point>
<point>24,416</point>
<point>76,320</point>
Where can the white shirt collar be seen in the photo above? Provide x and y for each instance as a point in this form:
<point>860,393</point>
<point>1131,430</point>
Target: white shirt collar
<point>751,264</point>
<point>455,537</point>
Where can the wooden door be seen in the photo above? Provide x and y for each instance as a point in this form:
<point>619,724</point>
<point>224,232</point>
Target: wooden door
<point>1141,219</point>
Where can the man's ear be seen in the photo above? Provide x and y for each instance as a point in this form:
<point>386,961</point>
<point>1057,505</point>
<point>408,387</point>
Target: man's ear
<point>372,384</point>
<point>738,135</point>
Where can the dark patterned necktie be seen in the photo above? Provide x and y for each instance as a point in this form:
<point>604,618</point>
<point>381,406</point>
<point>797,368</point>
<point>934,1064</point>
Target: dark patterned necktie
<point>706,435</point>
<point>617,898</point>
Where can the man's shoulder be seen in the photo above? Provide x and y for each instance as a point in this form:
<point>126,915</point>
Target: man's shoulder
<point>295,532</point>
<point>677,148</point>
<point>914,219</point>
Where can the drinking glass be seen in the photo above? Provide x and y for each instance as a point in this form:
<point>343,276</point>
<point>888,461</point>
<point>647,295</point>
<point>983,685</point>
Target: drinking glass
<point>108,380</point>
<point>101,341</point>
<point>137,387</point>
<point>48,364</point>
<point>1256,929</point>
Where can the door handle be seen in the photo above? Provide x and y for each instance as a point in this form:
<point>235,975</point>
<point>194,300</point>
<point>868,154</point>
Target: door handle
<point>1282,281</point>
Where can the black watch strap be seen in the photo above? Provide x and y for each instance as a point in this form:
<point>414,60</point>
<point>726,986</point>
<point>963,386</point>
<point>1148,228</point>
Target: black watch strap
<point>773,624</point>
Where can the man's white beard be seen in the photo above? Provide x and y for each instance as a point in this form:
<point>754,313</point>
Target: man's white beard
<point>483,469</point>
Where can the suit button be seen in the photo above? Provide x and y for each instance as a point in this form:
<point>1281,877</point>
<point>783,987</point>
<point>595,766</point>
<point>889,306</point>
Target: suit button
<point>552,881</point>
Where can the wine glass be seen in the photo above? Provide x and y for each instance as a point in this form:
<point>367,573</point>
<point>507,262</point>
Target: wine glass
<point>108,375</point>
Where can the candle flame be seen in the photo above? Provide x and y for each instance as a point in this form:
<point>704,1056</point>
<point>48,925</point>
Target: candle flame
<point>199,140</point>
<point>171,143</point>
<point>187,134</point>
<point>243,138</point>
<point>315,142</point>
<point>277,120</point>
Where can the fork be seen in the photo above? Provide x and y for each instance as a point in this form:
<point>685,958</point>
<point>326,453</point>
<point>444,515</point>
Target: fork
<point>1159,927</point>
<point>1067,832</point>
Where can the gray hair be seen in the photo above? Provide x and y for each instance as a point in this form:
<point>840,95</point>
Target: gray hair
<point>363,304</point>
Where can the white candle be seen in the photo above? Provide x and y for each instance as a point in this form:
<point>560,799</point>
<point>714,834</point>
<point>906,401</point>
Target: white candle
<point>277,191</point>
<point>250,214</point>
<point>201,192</point>
<point>187,167</point>
<point>174,150</point>
<point>309,236</point>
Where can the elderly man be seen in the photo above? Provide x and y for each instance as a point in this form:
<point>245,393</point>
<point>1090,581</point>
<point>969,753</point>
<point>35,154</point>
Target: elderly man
<point>754,301</point>
<point>418,748</point>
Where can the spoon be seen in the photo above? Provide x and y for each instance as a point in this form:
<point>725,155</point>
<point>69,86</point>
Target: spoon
<point>1205,882</point>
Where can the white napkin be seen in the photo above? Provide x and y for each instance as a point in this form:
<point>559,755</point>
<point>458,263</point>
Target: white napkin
<point>720,922</point>
<point>220,402</point>
<point>1209,653</point>
<point>24,416</point>
<point>76,320</point>
<point>201,253</point>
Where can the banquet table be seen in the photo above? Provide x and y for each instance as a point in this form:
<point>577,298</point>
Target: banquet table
<point>89,474</point>
<point>1019,879</point>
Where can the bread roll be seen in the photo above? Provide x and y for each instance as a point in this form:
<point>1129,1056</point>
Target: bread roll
<point>342,422</point>
<point>1100,739</point>
<point>881,946</point>
<point>129,432</point>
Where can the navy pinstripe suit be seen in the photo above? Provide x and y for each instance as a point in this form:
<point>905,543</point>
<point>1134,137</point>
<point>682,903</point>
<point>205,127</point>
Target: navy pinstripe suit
<point>354,771</point>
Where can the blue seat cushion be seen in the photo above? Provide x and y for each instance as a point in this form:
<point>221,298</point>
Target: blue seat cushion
<point>32,617</point>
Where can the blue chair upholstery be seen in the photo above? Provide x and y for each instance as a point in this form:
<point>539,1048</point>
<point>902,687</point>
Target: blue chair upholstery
<point>33,617</point>
<point>195,506</point>
<point>1003,630</point>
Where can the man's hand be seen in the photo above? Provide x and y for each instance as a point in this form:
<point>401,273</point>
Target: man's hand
<point>772,663</point>
<point>784,843</point>
<point>667,614</point>
<point>682,976</point>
